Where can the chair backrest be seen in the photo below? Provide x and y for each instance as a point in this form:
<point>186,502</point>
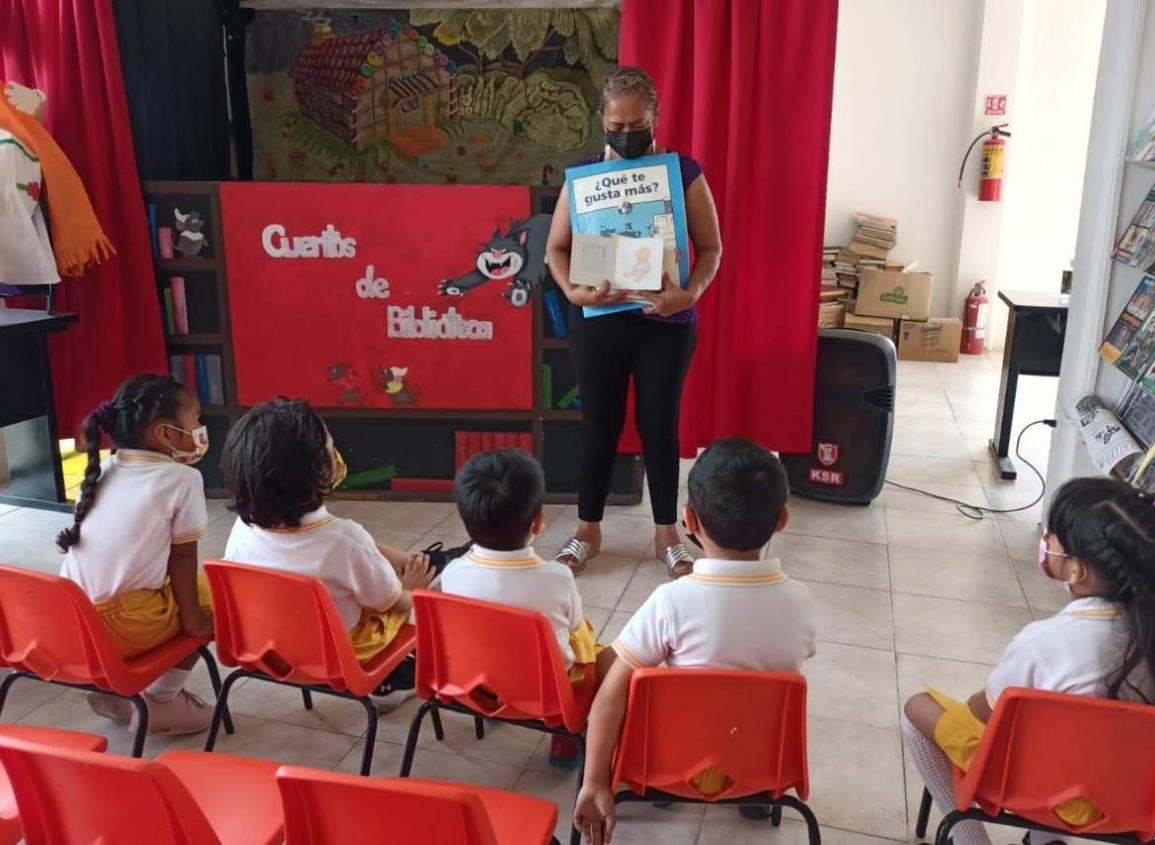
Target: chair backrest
<point>49,627</point>
<point>749,725</point>
<point>500,660</point>
<point>281,624</point>
<point>69,797</point>
<point>1043,748</point>
<point>324,807</point>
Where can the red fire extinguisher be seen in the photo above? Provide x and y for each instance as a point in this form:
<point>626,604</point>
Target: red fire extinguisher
<point>974,333</point>
<point>994,151</point>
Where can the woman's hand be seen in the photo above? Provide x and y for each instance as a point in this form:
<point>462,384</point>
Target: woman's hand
<point>671,300</point>
<point>585,295</point>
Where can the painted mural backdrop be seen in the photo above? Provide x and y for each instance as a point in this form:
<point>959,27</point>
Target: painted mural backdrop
<point>429,95</point>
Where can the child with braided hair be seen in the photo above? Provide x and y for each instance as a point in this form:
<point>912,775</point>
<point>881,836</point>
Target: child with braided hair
<point>142,512</point>
<point>1099,543</point>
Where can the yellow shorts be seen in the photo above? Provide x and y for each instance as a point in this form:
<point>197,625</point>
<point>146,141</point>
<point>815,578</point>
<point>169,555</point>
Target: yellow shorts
<point>585,649</point>
<point>375,630</point>
<point>958,733</point>
<point>141,620</point>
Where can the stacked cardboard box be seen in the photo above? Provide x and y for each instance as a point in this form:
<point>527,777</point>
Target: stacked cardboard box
<point>897,305</point>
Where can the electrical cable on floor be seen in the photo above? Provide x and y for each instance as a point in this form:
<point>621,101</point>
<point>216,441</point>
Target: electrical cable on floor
<point>978,511</point>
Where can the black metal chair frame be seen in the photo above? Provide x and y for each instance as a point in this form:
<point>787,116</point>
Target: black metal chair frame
<point>307,690</point>
<point>137,700</point>
<point>942,837</point>
<point>433,706</point>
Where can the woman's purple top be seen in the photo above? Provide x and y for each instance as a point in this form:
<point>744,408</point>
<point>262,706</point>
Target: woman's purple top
<point>691,170</point>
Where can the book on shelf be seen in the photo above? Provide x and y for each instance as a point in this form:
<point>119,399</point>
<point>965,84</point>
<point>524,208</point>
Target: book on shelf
<point>555,312</point>
<point>1131,318</point>
<point>179,305</point>
<point>201,373</point>
<point>546,387</point>
<point>460,449</point>
<point>169,320</point>
<point>1143,146</point>
<point>421,485</point>
<point>152,230</point>
<point>215,379</point>
<point>1136,247</point>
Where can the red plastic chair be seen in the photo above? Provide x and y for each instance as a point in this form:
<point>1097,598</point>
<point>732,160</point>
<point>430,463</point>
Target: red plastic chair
<point>49,630</point>
<point>751,725</point>
<point>492,661</point>
<point>69,797</point>
<point>285,629</point>
<point>325,807</point>
<point>1043,748</point>
<point>11,831</point>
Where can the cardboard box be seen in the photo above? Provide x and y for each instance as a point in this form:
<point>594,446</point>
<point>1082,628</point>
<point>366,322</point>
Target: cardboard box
<point>831,315</point>
<point>882,293</point>
<point>879,325</point>
<point>932,340</point>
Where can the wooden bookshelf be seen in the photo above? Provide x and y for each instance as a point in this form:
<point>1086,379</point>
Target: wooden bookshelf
<point>360,430</point>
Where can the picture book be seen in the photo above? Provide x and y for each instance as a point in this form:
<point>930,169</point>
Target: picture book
<point>1136,247</point>
<point>1139,351</point>
<point>1136,311</point>
<point>627,263</point>
<point>631,198</point>
<point>1143,146</point>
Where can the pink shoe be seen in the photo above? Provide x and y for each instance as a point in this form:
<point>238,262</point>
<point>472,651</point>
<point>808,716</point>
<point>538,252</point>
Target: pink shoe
<point>119,710</point>
<point>184,714</point>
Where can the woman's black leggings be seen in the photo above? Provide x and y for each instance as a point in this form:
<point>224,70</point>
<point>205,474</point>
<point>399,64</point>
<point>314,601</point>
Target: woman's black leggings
<point>606,352</point>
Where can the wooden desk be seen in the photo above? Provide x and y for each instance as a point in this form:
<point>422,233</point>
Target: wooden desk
<point>1036,328</point>
<point>28,410</point>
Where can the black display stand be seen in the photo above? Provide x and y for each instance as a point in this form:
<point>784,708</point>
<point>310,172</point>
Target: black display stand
<point>28,409</point>
<point>418,442</point>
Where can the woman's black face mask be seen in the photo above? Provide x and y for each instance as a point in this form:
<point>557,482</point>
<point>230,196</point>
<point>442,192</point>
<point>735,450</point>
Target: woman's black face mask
<point>632,143</point>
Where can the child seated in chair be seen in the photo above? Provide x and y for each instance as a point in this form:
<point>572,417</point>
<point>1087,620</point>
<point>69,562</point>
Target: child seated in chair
<point>142,512</point>
<point>279,464</point>
<point>499,497</point>
<point>1099,543</point>
<point>736,610</point>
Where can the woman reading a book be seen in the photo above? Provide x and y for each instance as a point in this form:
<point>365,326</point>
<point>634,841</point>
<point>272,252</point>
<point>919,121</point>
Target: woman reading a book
<point>651,343</point>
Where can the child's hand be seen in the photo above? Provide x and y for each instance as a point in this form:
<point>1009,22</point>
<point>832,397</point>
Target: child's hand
<point>593,814</point>
<point>416,573</point>
<point>200,626</point>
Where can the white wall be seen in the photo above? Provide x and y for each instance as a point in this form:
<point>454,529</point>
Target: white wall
<point>1057,67</point>
<point>904,76</point>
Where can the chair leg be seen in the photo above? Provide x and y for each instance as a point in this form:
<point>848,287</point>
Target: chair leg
<point>415,734</point>
<point>307,697</point>
<point>942,837</point>
<point>438,728</point>
<point>575,835</point>
<point>812,829</point>
<point>370,735</point>
<point>141,725</point>
<point>9,680</point>
<point>215,677</point>
<point>776,815</point>
<point>923,814</point>
<point>479,727</point>
<point>222,707</point>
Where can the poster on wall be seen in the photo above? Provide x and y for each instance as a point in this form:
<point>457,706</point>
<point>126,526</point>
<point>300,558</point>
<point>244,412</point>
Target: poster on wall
<point>427,95</point>
<point>383,296</point>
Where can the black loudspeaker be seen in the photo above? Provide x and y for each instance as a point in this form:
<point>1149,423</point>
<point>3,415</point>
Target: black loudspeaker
<point>853,419</point>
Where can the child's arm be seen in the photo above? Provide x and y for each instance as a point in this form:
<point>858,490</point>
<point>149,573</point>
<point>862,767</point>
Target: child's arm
<point>401,560</point>
<point>980,706</point>
<point>182,573</point>
<point>414,575</point>
<point>594,811</point>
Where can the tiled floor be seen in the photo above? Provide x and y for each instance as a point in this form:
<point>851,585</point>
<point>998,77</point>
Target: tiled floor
<point>909,593</point>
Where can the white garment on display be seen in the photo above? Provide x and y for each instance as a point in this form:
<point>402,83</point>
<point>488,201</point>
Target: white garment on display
<point>25,251</point>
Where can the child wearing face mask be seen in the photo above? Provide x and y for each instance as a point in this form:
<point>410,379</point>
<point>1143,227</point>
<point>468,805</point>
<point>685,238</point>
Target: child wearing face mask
<point>137,555</point>
<point>279,464</point>
<point>1100,543</point>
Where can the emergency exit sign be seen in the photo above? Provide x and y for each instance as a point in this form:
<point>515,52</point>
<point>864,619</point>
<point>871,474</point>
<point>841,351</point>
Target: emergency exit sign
<point>996,104</point>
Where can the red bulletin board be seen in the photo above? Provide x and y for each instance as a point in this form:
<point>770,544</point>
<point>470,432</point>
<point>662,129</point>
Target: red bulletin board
<point>334,296</point>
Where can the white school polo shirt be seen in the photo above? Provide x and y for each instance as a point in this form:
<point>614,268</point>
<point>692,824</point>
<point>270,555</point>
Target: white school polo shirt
<point>1071,652</point>
<point>145,504</point>
<point>519,579</point>
<point>726,614</point>
<point>338,552</point>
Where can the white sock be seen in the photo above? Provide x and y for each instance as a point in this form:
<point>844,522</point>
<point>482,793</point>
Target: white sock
<point>936,771</point>
<point>168,686</point>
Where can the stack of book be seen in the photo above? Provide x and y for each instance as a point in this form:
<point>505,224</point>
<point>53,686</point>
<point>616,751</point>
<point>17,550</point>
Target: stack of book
<point>829,256</point>
<point>201,373</point>
<point>876,236</point>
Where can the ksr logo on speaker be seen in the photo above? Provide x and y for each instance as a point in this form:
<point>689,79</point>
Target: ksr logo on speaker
<point>827,454</point>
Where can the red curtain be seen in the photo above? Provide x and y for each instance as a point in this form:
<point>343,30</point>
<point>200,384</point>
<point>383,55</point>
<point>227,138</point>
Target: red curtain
<point>745,87</point>
<point>68,49</point>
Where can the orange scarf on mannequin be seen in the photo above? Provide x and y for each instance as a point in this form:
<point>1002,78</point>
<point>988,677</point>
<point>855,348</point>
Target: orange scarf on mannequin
<point>77,238</point>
